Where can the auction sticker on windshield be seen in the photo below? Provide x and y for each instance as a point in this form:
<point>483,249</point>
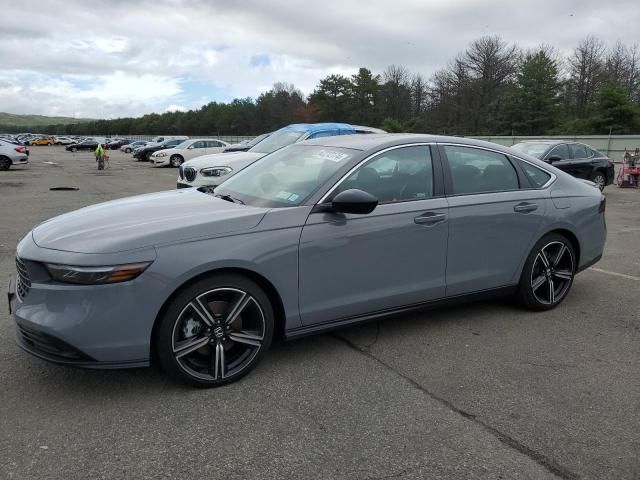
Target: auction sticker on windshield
<point>331,155</point>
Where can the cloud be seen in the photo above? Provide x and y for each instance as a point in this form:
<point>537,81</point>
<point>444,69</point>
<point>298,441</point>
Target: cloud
<point>119,58</point>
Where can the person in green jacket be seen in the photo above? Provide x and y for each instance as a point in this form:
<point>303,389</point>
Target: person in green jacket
<point>100,156</point>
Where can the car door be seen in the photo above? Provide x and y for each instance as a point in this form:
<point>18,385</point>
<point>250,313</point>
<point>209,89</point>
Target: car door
<point>560,157</point>
<point>213,146</point>
<point>581,164</point>
<point>196,149</point>
<point>353,265</point>
<point>494,218</point>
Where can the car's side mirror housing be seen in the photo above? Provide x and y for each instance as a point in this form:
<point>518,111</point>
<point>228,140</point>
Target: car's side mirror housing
<point>354,201</point>
<point>553,158</point>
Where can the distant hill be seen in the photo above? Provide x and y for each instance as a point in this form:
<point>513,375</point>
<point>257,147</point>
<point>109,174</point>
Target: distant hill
<point>10,120</point>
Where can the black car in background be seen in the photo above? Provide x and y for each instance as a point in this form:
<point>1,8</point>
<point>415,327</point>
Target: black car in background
<point>85,145</point>
<point>145,153</point>
<point>576,159</point>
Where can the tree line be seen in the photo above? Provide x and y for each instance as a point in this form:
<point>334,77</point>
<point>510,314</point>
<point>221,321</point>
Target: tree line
<point>491,88</point>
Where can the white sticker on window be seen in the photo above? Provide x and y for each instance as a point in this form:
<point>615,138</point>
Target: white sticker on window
<point>294,197</point>
<point>283,195</point>
<point>330,155</point>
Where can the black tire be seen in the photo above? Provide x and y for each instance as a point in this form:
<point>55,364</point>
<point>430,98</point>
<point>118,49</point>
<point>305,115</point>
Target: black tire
<point>600,179</point>
<point>176,160</point>
<point>184,325</point>
<point>545,287</point>
<point>74,149</point>
<point>5,163</point>
<point>127,150</point>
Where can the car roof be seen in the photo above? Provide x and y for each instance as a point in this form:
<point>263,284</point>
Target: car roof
<point>316,127</point>
<point>548,142</point>
<point>384,140</point>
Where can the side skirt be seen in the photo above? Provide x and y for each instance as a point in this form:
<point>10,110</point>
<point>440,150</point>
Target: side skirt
<point>418,307</point>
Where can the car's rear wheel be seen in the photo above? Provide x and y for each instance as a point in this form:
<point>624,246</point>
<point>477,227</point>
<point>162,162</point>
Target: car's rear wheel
<point>600,179</point>
<point>215,331</point>
<point>127,150</point>
<point>74,149</point>
<point>548,273</point>
<point>176,160</point>
<point>5,163</point>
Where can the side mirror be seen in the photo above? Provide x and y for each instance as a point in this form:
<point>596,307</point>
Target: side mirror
<point>190,147</point>
<point>354,201</point>
<point>553,158</point>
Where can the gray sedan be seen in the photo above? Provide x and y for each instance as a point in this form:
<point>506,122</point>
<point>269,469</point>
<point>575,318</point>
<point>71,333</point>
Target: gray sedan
<point>318,235</point>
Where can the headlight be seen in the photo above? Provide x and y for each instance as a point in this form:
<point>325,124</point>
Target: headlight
<point>160,154</point>
<point>95,275</point>
<point>216,171</point>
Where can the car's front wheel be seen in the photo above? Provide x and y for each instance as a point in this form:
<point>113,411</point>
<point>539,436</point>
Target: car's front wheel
<point>215,331</point>
<point>548,273</point>
<point>176,160</point>
<point>600,179</point>
<point>74,149</point>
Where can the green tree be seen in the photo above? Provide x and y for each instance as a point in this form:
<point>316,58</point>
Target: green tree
<point>365,98</point>
<point>391,125</point>
<point>614,111</point>
<point>332,98</point>
<point>533,105</point>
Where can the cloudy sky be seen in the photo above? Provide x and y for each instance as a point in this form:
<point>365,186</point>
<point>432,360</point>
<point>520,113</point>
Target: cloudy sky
<point>107,59</point>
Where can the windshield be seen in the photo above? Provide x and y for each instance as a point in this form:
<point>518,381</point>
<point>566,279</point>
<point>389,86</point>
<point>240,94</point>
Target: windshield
<point>185,144</point>
<point>534,149</point>
<point>285,178</point>
<point>277,141</point>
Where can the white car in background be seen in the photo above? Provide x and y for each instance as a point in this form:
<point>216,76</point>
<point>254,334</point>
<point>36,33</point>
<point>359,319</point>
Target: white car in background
<point>187,150</point>
<point>63,141</point>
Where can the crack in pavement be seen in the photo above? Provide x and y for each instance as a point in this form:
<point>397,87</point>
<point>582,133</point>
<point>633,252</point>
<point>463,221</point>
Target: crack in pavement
<point>549,464</point>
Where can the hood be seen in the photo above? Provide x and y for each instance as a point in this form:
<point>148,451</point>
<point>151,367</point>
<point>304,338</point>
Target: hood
<point>145,220</point>
<point>232,159</point>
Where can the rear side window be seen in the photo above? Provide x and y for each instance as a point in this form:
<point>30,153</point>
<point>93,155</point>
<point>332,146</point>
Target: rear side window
<point>578,150</point>
<point>478,171</point>
<point>561,152</point>
<point>536,176</point>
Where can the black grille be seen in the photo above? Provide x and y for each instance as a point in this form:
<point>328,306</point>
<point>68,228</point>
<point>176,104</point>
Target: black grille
<point>181,172</point>
<point>50,346</point>
<point>190,174</point>
<point>23,285</point>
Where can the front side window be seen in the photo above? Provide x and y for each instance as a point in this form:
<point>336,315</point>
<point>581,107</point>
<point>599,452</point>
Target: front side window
<point>398,175</point>
<point>474,170</point>
<point>559,152</point>
<point>286,178</point>
<point>578,151</point>
<point>199,144</point>
<point>536,176</point>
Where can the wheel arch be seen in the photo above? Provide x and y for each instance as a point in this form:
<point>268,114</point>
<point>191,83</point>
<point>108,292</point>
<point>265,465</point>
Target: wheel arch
<point>575,243</point>
<point>262,281</point>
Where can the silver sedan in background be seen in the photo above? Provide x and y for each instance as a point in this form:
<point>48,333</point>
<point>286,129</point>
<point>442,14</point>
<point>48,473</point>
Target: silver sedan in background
<point>318,235</point>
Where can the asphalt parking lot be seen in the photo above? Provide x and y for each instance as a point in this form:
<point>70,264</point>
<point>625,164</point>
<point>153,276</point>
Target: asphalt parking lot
<point>485,390</point>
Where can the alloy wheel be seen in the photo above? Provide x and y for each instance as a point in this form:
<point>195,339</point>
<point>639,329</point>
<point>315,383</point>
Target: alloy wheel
<point>552,273</point>
<point>175,161</point>
<point>600,181</point>
<point>218,334</point>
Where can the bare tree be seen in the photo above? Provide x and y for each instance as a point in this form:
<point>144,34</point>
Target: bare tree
<point>418,94</point>
<point>396,91</point>
<point>585,74</point>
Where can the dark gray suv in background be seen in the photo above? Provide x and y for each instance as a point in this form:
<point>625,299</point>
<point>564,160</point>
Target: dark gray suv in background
<point>576,159</point>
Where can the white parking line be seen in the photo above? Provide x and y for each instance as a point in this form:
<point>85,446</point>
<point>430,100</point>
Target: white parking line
<point>623,275</point>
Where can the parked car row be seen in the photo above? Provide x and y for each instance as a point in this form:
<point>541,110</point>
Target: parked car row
<point>12,153</point>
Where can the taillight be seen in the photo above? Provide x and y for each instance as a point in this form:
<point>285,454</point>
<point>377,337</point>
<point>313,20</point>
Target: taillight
<point>20,149</point>
<point>603,204</point>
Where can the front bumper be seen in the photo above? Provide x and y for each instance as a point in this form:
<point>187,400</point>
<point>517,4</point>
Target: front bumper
<point>183,185</point>
<point>159,162</point>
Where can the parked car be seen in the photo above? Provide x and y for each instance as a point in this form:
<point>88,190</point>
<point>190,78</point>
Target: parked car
<point>187,150</point>
<point>63,141</point>
<point>12,153</point>
<point>116,143</point>
<point>165,138</point>
<point>576,159</point>
<point>145,152</point>
<point>246,145</point>
<point>41,140</point>
<point>86,145</point>
<point>211,170</point>
<point>321,234</point>
<point>128,148</point>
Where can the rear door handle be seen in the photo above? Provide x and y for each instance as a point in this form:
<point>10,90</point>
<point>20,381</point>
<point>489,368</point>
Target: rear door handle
<point>430,218</point>
<point>525,207</point>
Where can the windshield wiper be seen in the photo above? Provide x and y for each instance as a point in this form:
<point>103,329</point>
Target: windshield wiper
<point>229,198</point>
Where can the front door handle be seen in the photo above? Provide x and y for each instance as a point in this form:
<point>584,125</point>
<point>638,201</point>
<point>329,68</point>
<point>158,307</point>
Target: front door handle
<point>430,218</point>
<point>525,207</point>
